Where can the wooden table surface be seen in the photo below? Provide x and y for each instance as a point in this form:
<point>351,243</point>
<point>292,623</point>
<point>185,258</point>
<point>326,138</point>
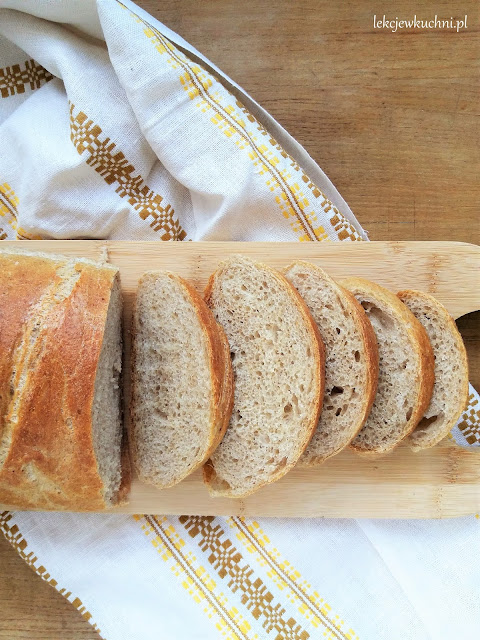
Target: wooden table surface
<point>391,118</point>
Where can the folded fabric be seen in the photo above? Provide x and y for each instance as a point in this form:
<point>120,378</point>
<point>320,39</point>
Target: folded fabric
<point>112,126</point>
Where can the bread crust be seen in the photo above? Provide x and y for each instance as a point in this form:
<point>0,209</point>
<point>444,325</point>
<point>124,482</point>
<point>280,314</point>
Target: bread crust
<point>451,327</point>
<point>420,346</point>
<point>221,368</point>
<point>371,349</point>
<point>47,376</point>
<point>221,402</point>
<point>367,334</point>
<point>318,349</point>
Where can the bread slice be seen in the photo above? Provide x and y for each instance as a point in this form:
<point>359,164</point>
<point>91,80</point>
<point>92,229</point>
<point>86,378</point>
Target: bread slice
<point>278,364</point>
<point>351,360</point>
<point>450,391</point>
<point>60,364</point>
<point>406,369</point>
<point>182,381</point>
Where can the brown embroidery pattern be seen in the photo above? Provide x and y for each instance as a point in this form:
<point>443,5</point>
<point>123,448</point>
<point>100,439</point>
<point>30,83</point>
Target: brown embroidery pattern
<point>15,79</point>
<point>229,563</point>
<point>112,165</point>
<point>169,543</point>
<point>469,424</point>
<point>18,542</point>
<point>311,604</point>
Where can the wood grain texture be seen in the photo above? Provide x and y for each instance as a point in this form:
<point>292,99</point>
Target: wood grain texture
<point>31,609</point>
<point>439,482</point>
<point>391,118</point>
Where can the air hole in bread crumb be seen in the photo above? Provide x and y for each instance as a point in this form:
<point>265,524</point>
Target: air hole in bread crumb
<point>287,409</point>
<point>338,411</point>
<point>409,414</point>
<point>336,391</point>
<point>337,330</point>
<point>357,356</point>
<point>425,422</point>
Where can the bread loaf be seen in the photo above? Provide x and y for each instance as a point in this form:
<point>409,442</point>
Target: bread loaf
<point>406,369</point>
<point>182,383</point>
<point>60,363</point>
<point>351,360</point>
<point>278,364</point>
<point>450,391</point>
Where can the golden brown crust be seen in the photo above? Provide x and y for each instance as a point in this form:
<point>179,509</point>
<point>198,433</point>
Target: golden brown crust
<point>209,473</point>
<point>371,349</point>
<point>220,366</point>
<point>451,327</point>
<point>319,353</point>
<point>420,346</point>
<point>369,340</point>
<point>22,284</point>
<point>221,372</point>
<point>50,461</point>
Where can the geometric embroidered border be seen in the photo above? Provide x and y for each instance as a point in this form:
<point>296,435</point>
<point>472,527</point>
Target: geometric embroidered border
<point>15,79</point>
<point>115,168</point>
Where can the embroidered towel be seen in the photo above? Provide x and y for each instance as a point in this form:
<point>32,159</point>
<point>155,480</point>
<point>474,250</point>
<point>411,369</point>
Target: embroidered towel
<point>114,127</point>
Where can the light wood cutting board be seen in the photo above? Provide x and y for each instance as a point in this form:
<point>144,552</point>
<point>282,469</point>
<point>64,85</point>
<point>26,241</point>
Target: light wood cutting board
<point>439,482</point>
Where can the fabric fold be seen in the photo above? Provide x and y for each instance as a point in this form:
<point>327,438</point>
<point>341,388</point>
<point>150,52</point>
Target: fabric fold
<point>113,126</point>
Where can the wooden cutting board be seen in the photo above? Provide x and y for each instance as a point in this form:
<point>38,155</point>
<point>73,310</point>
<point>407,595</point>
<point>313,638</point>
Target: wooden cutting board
<point>439,482</point>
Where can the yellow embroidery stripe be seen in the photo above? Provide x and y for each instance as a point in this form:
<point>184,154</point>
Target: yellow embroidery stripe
<point>112,165</point>
<point>195,578</point>
<point>229,563</point>
<point>8,207</point>
<point>198,78</point>
<point>250,536</point>
<point>18,542</point>
<point>196,81</point>
<point>15,79</point>
<point>201,89</point>
<point>469,423</point>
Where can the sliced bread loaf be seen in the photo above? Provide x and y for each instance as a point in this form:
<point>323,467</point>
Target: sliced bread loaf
<point>60,364</point>
<point>351,360</point>
<point>182,382</point>
<point>278,362</point>
<point>406,369</point>
<point>450,391</point>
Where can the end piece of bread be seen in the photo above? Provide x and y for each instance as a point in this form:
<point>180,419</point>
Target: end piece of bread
<point>278,364</point>
<point>450,391</point>
<point>406,369</point>
<point>351,360</point>
<point>60,364</point>
<point>182,381</point>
